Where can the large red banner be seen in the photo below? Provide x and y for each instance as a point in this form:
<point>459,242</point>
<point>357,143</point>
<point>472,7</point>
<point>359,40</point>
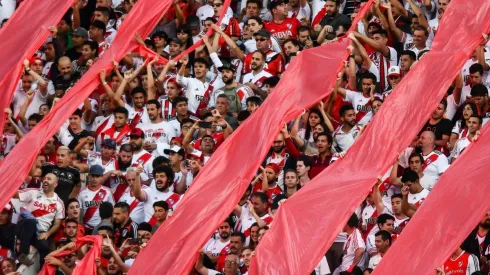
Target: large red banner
<point>313,217</point>
<point>20,40</point>
<point>142,19</point>
<point>222,182</point>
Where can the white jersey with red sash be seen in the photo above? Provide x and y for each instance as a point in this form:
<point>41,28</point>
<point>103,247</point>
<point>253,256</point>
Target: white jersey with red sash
<point>153,195</point>
<point>217,247</point>
<point>144,158</point>
<point>101,124</point>
<point>102,47</point>
<point>196,91</point>
<point>418,199</point>
<point>362,105</point>
<point>247,219</point>
<point>257,79</point>
<point>464,264</point>
<point>161,132</point>
<point>94,158</point>
<point>400,225</point>
<point>136,207</point>
<point>90,201</point>
<point>280,160</point>
<point>435,163</point>
<point>383,63</point>
<point>369,220</point>
<point>136,116</point>
<point>121,137</point>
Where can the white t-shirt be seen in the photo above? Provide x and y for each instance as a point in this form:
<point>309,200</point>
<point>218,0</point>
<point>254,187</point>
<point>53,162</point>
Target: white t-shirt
<point>257,79</point>
<point>215,246</point>
<point>418,199</point>
<point>354,241</point>
<point>94,158</point>
<point>91,200</point>
<point>7,9</point>
<point>374,261</point>
<point>322,268</point>
<point>436,164</point>
<point>136,208</point>
<point>146,159</point>
<point>153,195</point>
<point>20,97</point>
<point>461,144</point>
<point>161,132</point>
<point>195,91</point>
<point>133,114</point>
<point>45,209</point>
<point>343,141</point>
<point>207,11</point>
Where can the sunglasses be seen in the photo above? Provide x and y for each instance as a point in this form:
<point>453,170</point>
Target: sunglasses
<point>217,5</point>
<point>260,39</point>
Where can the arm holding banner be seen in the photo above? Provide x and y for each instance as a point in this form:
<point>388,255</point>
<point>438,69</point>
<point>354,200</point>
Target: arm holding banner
<point>42,84</point>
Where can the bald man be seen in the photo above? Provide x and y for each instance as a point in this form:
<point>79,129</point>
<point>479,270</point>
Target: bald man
<point>66,77</point>
<point>435,162</point>
<point>42,218</point>
<point>232,265</point>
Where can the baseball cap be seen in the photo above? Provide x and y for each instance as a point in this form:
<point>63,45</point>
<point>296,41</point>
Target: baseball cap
<point>193,21</point>
<point>274,167</point>
<point>175,149</point>
<point>263,32</point>
<point>34,59</point>
<point>144,226</point>
<point>160,34</point>
<point>275,3</point>
<point>177,139</point>
<point>80,32</point>
<point>197,154</point>
<point>176,40</point>
<point>109,143</point>
<point>227,66</point>
<point>8,208</point>
<point>137,133</point>
<point>394,71</point>
<point>96,170</point>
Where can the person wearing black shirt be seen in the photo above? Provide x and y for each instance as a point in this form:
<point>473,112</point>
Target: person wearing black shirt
<point>333,18</point>
<point>441,127</point>
<point>79,37</point>
<point>68,176</point>
<point>124,227</point>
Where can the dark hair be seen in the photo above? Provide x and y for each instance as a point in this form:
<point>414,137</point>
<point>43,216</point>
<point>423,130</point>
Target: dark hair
<point>413,155</point>
<point>123,205</point>
<point>264,57</point>
<point>400,196</point>
<point>259,3</point>
<point>71,220</point>
<point>368,75</point>
<point>78,113</point>
<point>105,210</point>
<point>345,108</point>
<point>298,186</point>
<point>186,120</point>
<point>256,18</point>
<point>138,90</point>
<point>104,11</point>
<point>307,160</point>
<point>410,54</point>
<point>180,99</point>
<point>410,176</point>
<point>480,120</point>
<point>35,116</point>
<point>304,28</point>
<point>254,99</point>
<point>475,110</point>
<point>308,129</point>
<point>381,32</point>
<point>243,115</point>
<point>121,110</point>
<point>444,102</point>
<point>99,25</point>
<point>159,161</point>
<point>476,68</point>
<point>420,28</point>
<point>293,41</point>
<point>212,19</point>
<point>202,61</point>
<point>154,101</point>
<point>70,201</point>
<point>329,137</point>
<point>383,218</point>
<point>353,221</point>
<point>262,196</point>
<point>93,46</point>
<point>239,234</point>
<point>166,170</point>
<point>385,235</point>
<point>479,90</point>
<point>126,148</point>
<point>223,96</point>
<point>162,204</point>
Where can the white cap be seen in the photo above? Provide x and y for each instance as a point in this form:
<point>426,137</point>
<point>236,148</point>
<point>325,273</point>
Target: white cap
<point>394,70</point>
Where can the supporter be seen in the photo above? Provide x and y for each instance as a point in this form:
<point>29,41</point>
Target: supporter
<point>161,214</point>
<point>255,212</point>
<point>124,227</point>
<point>383,243</point>
<point>217,247</point>
<point>330,16</point>
<point>413,193</point>
<point>384,222</point>
<point>440,126</point>
<point>354,247</point>
<point>460,262</point>
<point>474,125</point>
<point>303,166</point>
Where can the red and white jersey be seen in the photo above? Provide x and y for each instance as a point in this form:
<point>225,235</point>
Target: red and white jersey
<point>362,105</point>
<point>45,209</point>
<point>217,247</point>
<point>465,263</point>
<point>196,91</point>
<point>374,261</point>
<point>459,130</point>
<point>383,64</point>
<point>90,201</point>
<point>400,224</point>
<point>144,158</point>
<point>274,63</point>
<point>102,123</point>
<point>418,199</point>
<point>342,141</point>
<point>461,145</point>
<point>287,29</point>
<point>120,137</point>
<point>102,47</point>
<point>152,196</point>
<point>435,163</point>
<point>178,177</point>
<point>247,219</point>
<point>257,79</point>
<point>137,117</point>
<point>466,69</point>
<point>354,241</point>
<point>369,220</point>
<point>168,110</point>
<point>8,143</point>
<point>161,132</point>
<point>272,192</point>
<point>110,34</point>
<point>94,158</point>
<point>280,160</point>
<point>5,253</point>
<point>136,208</point>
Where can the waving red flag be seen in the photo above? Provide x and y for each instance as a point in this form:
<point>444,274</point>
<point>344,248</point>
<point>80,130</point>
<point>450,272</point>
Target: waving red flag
<point>20,41</point>
<point>313,217</point>
<point>214,193</point>
<point>142,19</point>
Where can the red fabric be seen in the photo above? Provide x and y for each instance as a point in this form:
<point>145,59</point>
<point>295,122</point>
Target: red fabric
<point>334,195</point>
<point>87,265</point>
<point>209,199</point>
<point>20,41</point>
<point>143,17</point>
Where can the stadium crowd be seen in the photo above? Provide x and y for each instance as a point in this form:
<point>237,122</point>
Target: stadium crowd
<point>122,162</point>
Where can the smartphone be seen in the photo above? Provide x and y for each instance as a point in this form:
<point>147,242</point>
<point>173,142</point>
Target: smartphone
<point>205,124</point>
<point>186,163</point>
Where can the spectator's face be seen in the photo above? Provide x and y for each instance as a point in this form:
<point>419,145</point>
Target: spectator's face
<point>301,169</point>
<point>262,43</point>
<point>257,61</point>
<point>366,85</point>
<point>27,81</point>
<point>217,4</point>
<point>349,118</point>
<point>73,211</point>
<point>136,142</point>
<point>485,222</point>
<point>200,70</point>
<point>71,229</point>
<point>222,105</point>
<point>473,125</point>
<point>113,268</point>
<point>95,180</point>
<point>303,36</point>
<point>322,144</point>
<point>98,15</point>
<point>394,80</point>
<point>159,41</point>
<point>376,105</point>
<point>120,120</point>
<point>443,5</point>
<point>207,24</point>
<point>4,218</point>
<point>415,164</point>
<point>280,10</point>
<point>94,32</point>
<point>253,26</point>
<point>388,226</point>
<point>182,108</point>
<point>396,205</point>
<point>64,66</point>
<point>43,110</point>
<point>161,181</point>
<point>153,111</point>
<point>49,183</point>
<point>172,90</point>
<point>102,3</point>
<point>438,112</point>
<point>475,78</point>
<point>262,233</point>
<point>467,112</point>
<point>254,233</point>
<point>185,128</point>
<point>144,236</point>
<point>331,8</point>
<point>63,27</point>
<point>290,48</point>
<point>291,179</point>
<point>160,213</point>
<point>224,230</point>
<point>8,267</point>
<point>426,140</point>
<point>380,39</point>
<point>313,119</point>
<point>62,158</point>
<point>207,144</point>
<point>125,157</point>
<point>40,160</point>
<point>271,175</point>
<point>78,41</point>
<point>259,206</point>
<point>236,245</point>
<point>278,144</point>
<point>119,216</point>
<point>252,9</point>
<point>174,48</point>
<point>139,100</point>
<point>37,66</point>
<point>405,63</point>
<point>246,256</point>
<point>87,53</point>
<point>381,245</point>
<point>419,38</point>
<point>231,264</point>
<point>75,122</point>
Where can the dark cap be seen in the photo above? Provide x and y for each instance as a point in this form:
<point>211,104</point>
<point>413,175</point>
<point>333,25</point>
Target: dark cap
<point>160,34</point>
<point>227,66</point>
<point>410,175</point>
<point>275,3</point>
<point>96,170</point>
<point>80,32</point>
<point>144,226</point>
<point>175,149</point>
<point>176,40</point>
<point>98,24</point>
<point>137,132</point>
<point>109,143</point>
<point>271,81</point>
<point>193,21</point>
<point>263,32</point>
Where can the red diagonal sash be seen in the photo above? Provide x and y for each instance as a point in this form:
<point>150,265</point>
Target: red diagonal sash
<point>121,187</point>
<point>429,160</point>
<point>101,127</point>
<point>101,194</point>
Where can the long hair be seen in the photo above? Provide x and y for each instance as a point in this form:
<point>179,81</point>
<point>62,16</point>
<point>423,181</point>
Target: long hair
<point>308,126</point>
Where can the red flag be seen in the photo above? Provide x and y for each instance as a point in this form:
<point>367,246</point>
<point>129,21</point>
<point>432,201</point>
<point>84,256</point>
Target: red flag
<point>20,41</point>
<point>87,265</point>
<point>214,194</point>
<point>143,17</point>
<point>313,217</point>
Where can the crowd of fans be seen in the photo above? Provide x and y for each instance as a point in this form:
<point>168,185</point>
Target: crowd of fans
<point>123,161</point>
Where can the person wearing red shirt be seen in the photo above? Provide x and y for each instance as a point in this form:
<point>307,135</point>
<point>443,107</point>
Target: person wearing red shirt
<point>281,26</point>
<point>269,182</point>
